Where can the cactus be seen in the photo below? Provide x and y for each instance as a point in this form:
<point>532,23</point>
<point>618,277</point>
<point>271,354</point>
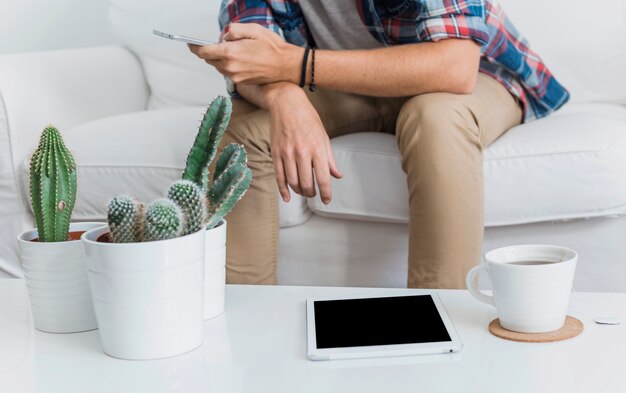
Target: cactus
<point>125,217</point>
<point>209,135</point>
<point>232,154</point>
<point>191,203</point>
<point>190,198</point>
<point>163,220</point>
<point>226,191</point>
<point>52,186</point>
<point>231,178</point>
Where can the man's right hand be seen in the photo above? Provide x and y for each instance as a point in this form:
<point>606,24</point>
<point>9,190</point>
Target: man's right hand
<point>299,144</point>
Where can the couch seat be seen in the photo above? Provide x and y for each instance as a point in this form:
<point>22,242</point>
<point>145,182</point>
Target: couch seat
<point>569,165</point>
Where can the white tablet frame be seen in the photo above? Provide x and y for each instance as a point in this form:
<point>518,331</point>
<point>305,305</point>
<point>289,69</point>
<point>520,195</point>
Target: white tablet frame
<point>313,353</point>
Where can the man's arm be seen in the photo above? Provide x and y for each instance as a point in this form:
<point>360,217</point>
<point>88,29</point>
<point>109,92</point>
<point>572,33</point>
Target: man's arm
<point>253,55</point>
<point>300,146</point>
<point>405,70</point>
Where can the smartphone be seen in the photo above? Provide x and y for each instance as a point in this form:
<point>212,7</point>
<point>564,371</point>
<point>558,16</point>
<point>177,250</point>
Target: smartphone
<point>182,38</point>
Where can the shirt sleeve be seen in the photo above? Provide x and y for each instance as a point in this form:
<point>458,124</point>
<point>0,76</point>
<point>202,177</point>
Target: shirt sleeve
<point>245,11</point>
<point>443,19</point>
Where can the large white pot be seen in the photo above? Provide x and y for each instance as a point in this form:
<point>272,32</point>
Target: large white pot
<point>56,278</point>
<point>148,297</point>
<point>215,270</point>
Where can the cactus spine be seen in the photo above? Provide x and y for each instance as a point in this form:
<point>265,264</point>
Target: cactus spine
<point>52,186</point>
<point>190,198</point>
<point>164,220</point>
<point>125,218</point>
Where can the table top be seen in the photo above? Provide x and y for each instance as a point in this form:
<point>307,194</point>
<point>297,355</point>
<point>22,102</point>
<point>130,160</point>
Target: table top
<point>259,346</point>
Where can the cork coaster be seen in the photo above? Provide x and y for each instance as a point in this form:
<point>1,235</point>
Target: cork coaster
<point>572,328</point>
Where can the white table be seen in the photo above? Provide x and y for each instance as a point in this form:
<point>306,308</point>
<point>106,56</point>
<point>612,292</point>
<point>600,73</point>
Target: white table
<point>259,346</point>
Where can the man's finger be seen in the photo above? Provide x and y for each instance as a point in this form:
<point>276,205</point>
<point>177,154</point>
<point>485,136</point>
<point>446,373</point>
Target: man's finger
<point>193,48</point>
<point>305,174</point>
<point>240,31</point>
<point>334,171</point>
<point>283,190</point>
<point>322,177</point>
<point>208,52</point>
<point>291,170</point>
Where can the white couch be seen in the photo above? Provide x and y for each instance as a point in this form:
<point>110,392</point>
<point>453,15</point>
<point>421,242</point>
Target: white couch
<point>129,113</point>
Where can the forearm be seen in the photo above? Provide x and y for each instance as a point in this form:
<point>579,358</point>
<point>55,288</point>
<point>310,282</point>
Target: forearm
<point>403,70</point>
<point>265,96</point>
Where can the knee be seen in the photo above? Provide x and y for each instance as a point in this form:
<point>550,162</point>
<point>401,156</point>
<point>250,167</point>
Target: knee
<point>435,121</point>
<point>248,126</point>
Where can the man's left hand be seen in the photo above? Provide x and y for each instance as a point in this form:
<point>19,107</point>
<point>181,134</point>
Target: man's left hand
<point>253,54</point>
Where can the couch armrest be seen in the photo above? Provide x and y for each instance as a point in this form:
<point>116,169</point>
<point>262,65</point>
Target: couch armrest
<point>64,88</point>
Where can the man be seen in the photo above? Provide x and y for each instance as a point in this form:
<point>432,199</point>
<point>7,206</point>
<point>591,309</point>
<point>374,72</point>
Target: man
<point>448,77</point>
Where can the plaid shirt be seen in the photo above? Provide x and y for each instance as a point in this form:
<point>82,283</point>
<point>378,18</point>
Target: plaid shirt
<point>506,55</point>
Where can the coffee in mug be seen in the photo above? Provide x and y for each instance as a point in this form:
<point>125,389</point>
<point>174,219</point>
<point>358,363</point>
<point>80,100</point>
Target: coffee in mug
<point>531,286</point>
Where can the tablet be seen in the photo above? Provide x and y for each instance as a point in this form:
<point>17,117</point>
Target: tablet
<point>379,326</point>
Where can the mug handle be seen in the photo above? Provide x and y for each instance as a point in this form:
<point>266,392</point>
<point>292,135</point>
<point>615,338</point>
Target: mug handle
<point>469,282</point>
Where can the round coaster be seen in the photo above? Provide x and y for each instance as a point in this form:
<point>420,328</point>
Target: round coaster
<point>572,328</point>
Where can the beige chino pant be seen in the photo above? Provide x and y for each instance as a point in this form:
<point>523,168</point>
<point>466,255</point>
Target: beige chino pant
<point>441,137</point>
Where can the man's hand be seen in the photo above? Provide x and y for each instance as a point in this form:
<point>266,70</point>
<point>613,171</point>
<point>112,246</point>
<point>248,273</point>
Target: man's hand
<point>252,54</point>
<point>300,146</point>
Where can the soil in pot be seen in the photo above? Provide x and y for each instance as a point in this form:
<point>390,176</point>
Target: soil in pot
<point>72,236</point>
<point>105,238</point>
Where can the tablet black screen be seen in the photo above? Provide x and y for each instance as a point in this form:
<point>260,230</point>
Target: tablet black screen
<point>378,321</point>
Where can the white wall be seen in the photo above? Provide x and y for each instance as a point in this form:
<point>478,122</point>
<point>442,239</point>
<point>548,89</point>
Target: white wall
<point>32,25</point>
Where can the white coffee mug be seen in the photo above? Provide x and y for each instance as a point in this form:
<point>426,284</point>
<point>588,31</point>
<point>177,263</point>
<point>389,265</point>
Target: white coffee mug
<point>531,286</point>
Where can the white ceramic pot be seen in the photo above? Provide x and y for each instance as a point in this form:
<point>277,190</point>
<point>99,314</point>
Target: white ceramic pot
<point>215,270</point>
<point>148,297</point>
<point>56,278</point>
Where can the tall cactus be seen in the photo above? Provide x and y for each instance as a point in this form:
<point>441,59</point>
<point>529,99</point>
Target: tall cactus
<point>164,220</point>
<point>204,148</point>
<point>191,200</point>
<point>232,177</point>
<point>125,217</point>
<point>52,186</point>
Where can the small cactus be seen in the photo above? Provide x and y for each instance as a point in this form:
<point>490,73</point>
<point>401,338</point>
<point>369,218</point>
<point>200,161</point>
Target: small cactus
<point>125,217</point>
<point>191,200</point>
<point>52,186</point>
<point>164,220</point>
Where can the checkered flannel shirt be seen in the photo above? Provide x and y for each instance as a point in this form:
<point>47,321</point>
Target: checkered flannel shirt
<point>506,55</point>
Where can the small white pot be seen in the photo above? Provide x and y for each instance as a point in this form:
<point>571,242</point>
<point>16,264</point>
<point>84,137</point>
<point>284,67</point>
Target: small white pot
<point>215,270</point>
<point>56,278</point>
<point>148,297</point>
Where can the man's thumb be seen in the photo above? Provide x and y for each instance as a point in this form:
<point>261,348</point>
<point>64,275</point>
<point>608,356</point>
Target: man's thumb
<point>239,31</point>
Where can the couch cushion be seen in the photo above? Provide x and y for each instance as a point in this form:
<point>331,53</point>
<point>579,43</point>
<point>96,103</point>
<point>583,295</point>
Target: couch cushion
<point>176,77</point>
<point>569,165</point>
<point>139,154</point>
<point>583,43</point>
